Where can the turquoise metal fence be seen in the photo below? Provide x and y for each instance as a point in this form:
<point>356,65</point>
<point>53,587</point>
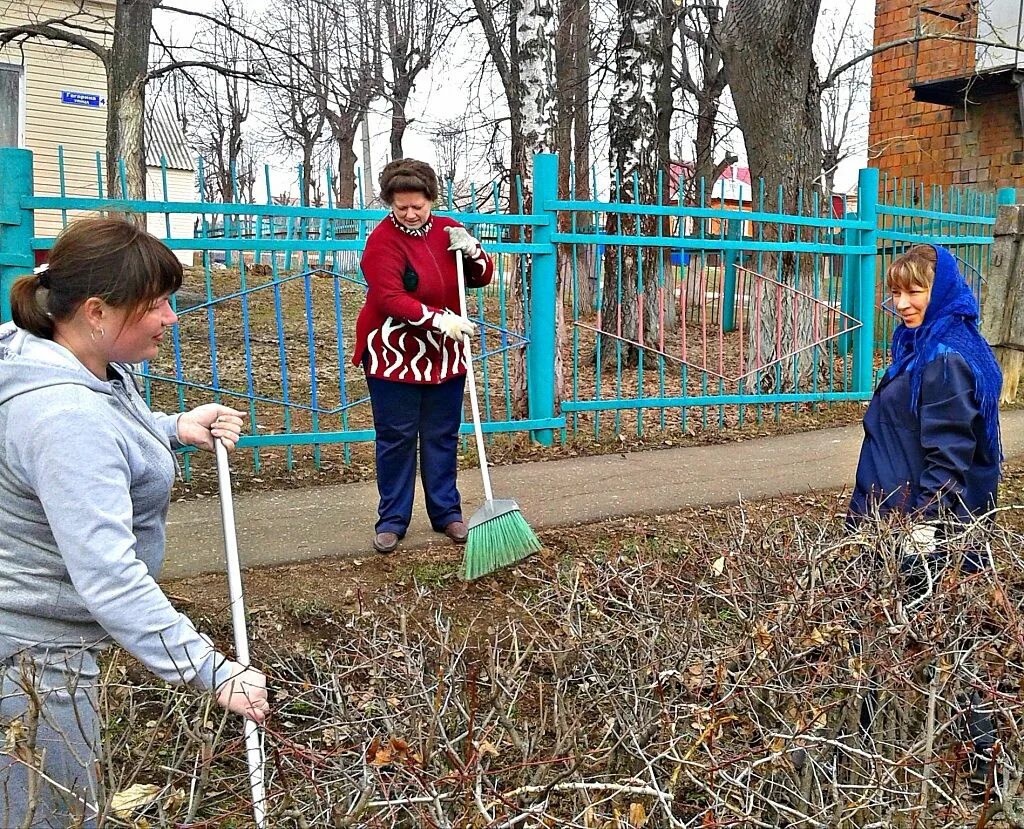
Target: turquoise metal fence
<point>679,315</point>
<point>718,312</point>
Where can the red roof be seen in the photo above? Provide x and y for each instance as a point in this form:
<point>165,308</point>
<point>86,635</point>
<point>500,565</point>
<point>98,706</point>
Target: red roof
<point>733,172</point>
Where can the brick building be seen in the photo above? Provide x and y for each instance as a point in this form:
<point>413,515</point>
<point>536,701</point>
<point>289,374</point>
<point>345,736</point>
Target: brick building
<point>947,112</point>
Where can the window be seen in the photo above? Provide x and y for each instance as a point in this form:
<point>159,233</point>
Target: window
<point>10,105</point>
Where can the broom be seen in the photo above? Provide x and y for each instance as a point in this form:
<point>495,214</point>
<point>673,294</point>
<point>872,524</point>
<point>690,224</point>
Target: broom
<point>498,533</point>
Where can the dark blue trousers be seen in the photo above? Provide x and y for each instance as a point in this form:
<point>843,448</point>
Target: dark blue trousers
<point>404,415</point>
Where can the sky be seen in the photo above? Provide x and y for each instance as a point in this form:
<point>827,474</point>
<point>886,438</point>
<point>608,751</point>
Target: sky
<point>445,90</point>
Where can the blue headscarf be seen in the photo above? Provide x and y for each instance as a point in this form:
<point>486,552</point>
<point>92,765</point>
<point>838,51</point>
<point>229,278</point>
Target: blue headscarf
<point>950,324</point>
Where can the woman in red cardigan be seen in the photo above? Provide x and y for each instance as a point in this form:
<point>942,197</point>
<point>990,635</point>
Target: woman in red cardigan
<point>408,340</point>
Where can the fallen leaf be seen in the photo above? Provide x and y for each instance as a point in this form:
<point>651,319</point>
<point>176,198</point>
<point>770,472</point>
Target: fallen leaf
<point>136,796</point>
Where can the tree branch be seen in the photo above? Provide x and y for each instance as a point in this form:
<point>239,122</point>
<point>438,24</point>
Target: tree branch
<point>908,41</point>
<point>29,31</point>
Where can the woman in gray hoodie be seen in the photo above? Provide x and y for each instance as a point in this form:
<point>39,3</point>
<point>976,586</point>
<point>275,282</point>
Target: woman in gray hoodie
<point>85,477</point>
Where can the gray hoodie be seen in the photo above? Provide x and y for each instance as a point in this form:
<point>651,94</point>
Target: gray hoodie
<point>85,478</point>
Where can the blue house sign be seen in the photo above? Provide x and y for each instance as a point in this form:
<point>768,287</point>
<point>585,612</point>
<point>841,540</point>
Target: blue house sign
<point>82,99</point>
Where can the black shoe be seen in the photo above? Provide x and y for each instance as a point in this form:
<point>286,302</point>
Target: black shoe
<point>385,542</point>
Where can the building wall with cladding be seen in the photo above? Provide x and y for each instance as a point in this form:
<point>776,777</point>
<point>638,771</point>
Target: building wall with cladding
<point>181,187</point>
<point>49,69</point>
<point>49,124</point>
<point>981,144</point>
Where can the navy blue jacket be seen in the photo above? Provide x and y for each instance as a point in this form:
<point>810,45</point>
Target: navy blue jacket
<point>936,460</point>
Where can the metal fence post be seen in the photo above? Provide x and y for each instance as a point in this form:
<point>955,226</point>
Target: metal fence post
<point>1006,195</point>
<point>540,351</point>
<point>848,295</point>
<point>864,337</point>
<point>733,232</point>
<point>17,224</point>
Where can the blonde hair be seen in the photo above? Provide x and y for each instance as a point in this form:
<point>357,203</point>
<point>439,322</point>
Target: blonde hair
<point>915,267</point>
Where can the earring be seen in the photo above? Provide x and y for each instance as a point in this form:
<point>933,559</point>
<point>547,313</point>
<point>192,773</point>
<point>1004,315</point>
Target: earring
<point>92,334</point>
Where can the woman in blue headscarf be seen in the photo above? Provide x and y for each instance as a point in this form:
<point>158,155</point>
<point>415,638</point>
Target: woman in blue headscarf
<point>931,450</point>
<point>931,433</point>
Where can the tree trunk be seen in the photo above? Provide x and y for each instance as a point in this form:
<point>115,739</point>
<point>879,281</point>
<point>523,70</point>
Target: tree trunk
<point>586,278</point>
<point>767,49</point>
<point>666,98</point>
<point>627,310</point>
<point>534,118</point>
<point>347,169</point>
<point>343,129</point>
<point>127,70</point>
<point>399,119</point>
<point>369,183</point>
<point>307,172</point>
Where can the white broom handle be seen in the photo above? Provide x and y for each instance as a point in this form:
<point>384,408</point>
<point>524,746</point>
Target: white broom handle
<point>474,404</point>
<point>253,741</point>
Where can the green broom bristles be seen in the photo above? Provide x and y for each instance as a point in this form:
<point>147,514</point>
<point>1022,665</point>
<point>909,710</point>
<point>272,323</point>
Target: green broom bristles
<point>497,543</point>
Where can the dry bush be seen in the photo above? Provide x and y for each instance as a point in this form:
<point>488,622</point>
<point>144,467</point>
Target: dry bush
<point>718,683</point>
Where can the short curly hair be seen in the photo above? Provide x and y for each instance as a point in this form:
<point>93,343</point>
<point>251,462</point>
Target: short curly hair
<point>407,175</point>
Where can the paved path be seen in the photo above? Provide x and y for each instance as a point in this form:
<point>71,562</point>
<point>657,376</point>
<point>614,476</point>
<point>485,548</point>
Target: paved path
<point>295,525</point>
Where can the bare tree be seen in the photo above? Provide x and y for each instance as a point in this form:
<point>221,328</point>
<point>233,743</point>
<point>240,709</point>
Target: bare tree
<point>126,62</point>
<point>700,75</point>
<point>298,118</point>
<point>413,37</point>
<point>536,28</point>
<point>498,20</point>
<point>844,99</point>
<point>218,105</point>
<point>346,37</point>
<point>767,46</point>
<point>449,141</point>
<point>573,137</point>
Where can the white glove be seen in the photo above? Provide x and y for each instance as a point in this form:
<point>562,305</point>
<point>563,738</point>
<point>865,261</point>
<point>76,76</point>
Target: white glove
<point>918,565</point>
<point>461,239</point>
<point>920,541</point>
<point>454,326</point>
<point>245,693</point>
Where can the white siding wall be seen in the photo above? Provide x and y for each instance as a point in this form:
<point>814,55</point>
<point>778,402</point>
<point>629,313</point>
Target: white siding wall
<point>49,69</point>
<point>181,186</point>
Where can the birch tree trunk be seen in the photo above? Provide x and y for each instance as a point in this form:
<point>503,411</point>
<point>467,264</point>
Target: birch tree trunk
<point>628,311</point>
<point>534,124</point>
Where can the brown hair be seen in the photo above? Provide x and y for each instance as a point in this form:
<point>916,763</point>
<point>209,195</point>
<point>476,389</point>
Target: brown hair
<point>407,175</point>
<point>915,267</point>
<point>110,258</point>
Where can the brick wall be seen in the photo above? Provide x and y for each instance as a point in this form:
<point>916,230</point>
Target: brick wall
<point>980,145</point>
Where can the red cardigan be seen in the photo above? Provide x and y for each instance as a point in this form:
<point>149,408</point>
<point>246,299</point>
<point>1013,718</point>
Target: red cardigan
<point>394,330</point>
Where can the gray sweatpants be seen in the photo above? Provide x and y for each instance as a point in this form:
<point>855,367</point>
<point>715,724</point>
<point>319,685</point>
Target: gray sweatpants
<point>50,761</point>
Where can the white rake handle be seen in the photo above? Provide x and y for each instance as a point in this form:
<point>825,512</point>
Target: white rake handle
<point>253,737</point>
<point>474,403</point>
